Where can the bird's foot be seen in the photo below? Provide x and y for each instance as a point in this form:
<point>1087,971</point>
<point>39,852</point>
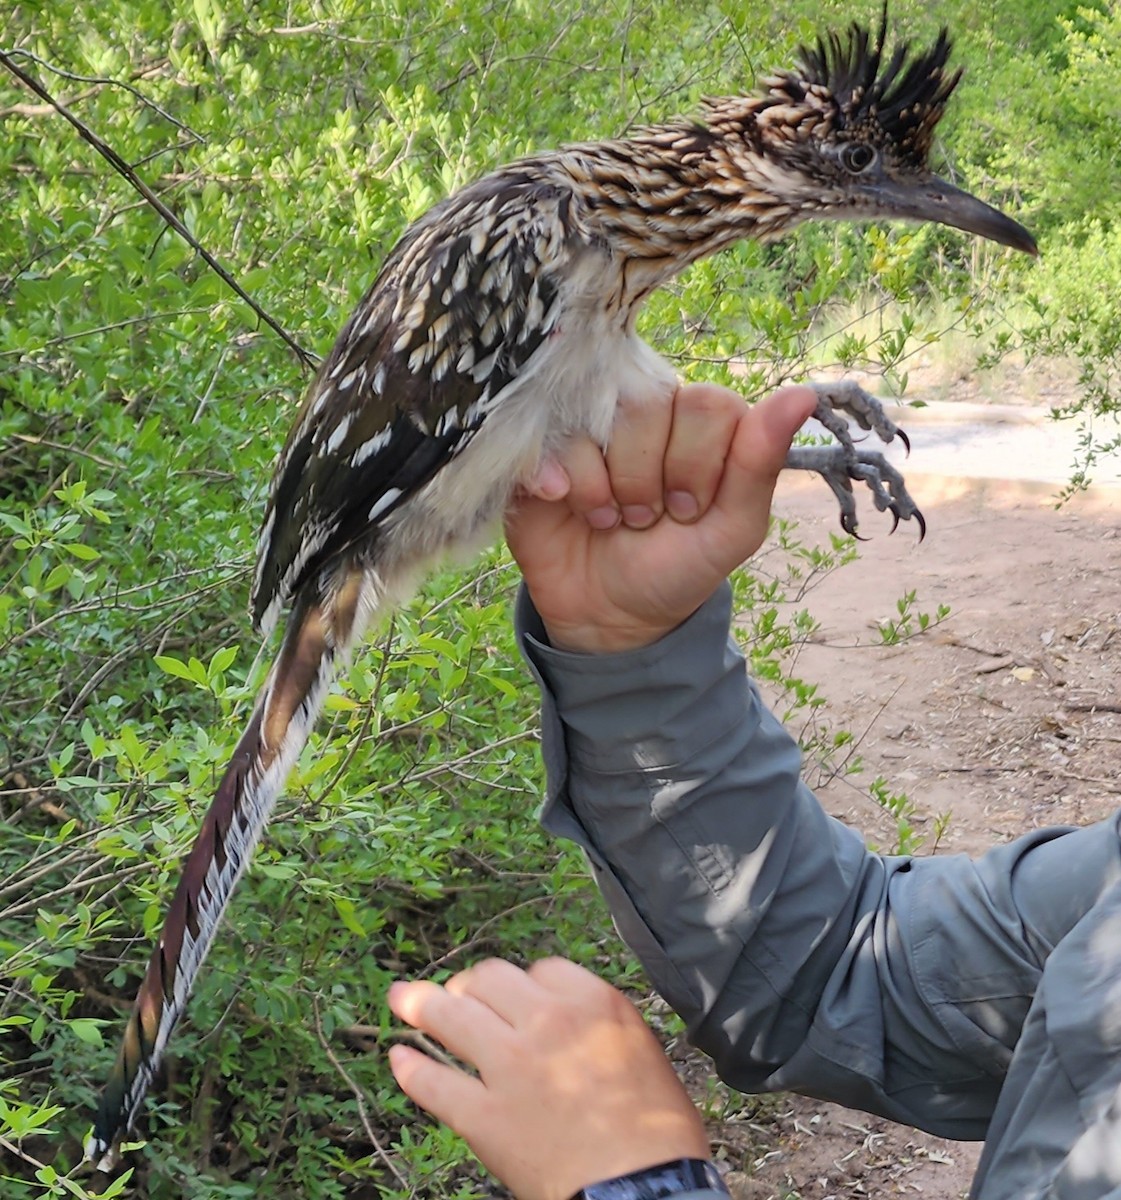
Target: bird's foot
<point>839,465</point>
<point>844,396</point>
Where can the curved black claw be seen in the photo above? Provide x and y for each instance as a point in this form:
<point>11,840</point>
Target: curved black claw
<point>905,440</point>
<point>922,524</point>
<point>894,520</point>
<point>848,524</point>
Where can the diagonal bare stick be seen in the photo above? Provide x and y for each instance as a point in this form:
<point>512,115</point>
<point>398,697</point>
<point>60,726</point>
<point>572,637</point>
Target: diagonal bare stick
<point>122,168</point>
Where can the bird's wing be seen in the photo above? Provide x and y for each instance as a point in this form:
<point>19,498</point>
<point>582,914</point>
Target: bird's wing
<point>463,302</point>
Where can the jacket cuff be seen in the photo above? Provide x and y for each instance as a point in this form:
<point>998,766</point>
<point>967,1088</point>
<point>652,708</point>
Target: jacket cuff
<point>638,709</point>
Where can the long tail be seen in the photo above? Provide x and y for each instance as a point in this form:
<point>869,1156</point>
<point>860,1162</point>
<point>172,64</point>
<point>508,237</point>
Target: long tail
<point>317,637</point>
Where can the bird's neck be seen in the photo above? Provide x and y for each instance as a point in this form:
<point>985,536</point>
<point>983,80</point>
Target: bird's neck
<point>671,195</point>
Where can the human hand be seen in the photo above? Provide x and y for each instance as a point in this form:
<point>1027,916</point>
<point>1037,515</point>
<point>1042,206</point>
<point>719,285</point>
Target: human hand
<point>573,1088</point>
<point>619,548</point>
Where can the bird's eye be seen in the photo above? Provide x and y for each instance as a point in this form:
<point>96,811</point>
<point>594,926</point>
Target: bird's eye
<point>857,157</point>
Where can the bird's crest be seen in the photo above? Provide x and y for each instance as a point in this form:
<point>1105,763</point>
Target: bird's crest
<point>846,85</point>
<point>906,99</point>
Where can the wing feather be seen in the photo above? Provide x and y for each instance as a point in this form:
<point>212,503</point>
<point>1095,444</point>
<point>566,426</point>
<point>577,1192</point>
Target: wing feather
<point>457,311</point>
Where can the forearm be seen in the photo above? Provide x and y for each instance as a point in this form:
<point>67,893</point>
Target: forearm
<point>685,792</point>
<point>799,960</point>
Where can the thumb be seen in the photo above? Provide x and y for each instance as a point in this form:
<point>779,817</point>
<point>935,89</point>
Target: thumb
<point>780,416</point>
<point>759,448</point>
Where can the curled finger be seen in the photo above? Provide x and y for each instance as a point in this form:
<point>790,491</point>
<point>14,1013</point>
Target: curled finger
<point>705,418</point>
<point>589,493</point>
<point>635,458</point>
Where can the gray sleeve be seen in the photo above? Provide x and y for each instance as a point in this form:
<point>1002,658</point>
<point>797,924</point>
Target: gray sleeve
<point>799,960</point>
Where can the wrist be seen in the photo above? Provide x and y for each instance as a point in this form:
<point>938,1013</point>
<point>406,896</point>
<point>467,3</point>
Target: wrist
<point>600,639</point>
<point>678,1177</point>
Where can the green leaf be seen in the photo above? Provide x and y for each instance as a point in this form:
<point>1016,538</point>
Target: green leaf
<point>173,666</point>
<point>87,1030</point>
<point>15,524</point>
<point>348,914</point>
<point>276,870</point>
<point>221,661</point>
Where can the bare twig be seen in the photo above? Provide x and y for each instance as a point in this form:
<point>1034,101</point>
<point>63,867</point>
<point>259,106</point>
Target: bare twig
<point>146,319</point>
<point>443,768</point>
<point>423,1043</point>
<point>359,1101</point>
<point>479,939</point>
<point>126,172</point>
<point>98,79</point>
<point>990,652</point>
<point>30,440</point>
<point>371,708</point>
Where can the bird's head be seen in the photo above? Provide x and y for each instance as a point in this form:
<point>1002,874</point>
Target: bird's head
<point>848,133</point>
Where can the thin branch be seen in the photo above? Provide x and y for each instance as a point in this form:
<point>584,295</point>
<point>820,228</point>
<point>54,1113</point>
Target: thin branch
<point>173,222</point>
<point>147,318</point>
<point>359,1101</point>
<point>443,768</point>
<point>148,103</point>
<point>478,939</point>
<point>371,708</point>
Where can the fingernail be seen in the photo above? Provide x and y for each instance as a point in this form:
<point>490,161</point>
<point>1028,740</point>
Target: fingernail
<point>638,516</point>
<point>603,518</point>
<point>394,990</point>
<point>551,481</point>
<point>682,505</point>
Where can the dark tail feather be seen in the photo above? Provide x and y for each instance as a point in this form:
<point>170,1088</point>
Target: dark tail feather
<point>279,729</point>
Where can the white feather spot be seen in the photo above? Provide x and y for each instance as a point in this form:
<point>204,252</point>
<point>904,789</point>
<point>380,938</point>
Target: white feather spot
<point>443,363</point>
<point>338,434</point>
<point>321,400</point>
<point>483,367</point>
<point>420,356</point>
<point>388,497</point>
<point>439,327</point>
<point>369,448</point>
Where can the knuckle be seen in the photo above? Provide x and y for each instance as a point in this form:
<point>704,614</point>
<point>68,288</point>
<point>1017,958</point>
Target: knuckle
<point>488,970</point>
<point>708,400</point>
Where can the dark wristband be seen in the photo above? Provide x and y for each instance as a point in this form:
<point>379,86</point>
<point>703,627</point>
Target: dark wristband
<point>653,1183</point>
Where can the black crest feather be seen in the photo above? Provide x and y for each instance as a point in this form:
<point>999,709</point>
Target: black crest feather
<point>902,98</point>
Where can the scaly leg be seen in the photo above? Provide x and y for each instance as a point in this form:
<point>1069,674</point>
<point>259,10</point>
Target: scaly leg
<point>839,465</point>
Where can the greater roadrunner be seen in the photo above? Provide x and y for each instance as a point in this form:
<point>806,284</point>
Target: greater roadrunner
<point>501,324</point>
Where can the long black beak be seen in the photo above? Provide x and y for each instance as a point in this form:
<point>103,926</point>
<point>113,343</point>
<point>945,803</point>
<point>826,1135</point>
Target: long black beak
<point>933,199</point>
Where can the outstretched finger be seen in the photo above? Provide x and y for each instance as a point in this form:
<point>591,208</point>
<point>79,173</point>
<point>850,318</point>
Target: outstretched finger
<point>466,1026</point>
<point>501,986</point>
<point>450,1095</point>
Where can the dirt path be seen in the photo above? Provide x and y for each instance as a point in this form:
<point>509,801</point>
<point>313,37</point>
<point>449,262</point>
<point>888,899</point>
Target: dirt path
<point>1000,718</point>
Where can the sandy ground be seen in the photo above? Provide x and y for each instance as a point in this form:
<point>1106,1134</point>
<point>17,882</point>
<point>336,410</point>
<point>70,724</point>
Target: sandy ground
<point>1004,717</point>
